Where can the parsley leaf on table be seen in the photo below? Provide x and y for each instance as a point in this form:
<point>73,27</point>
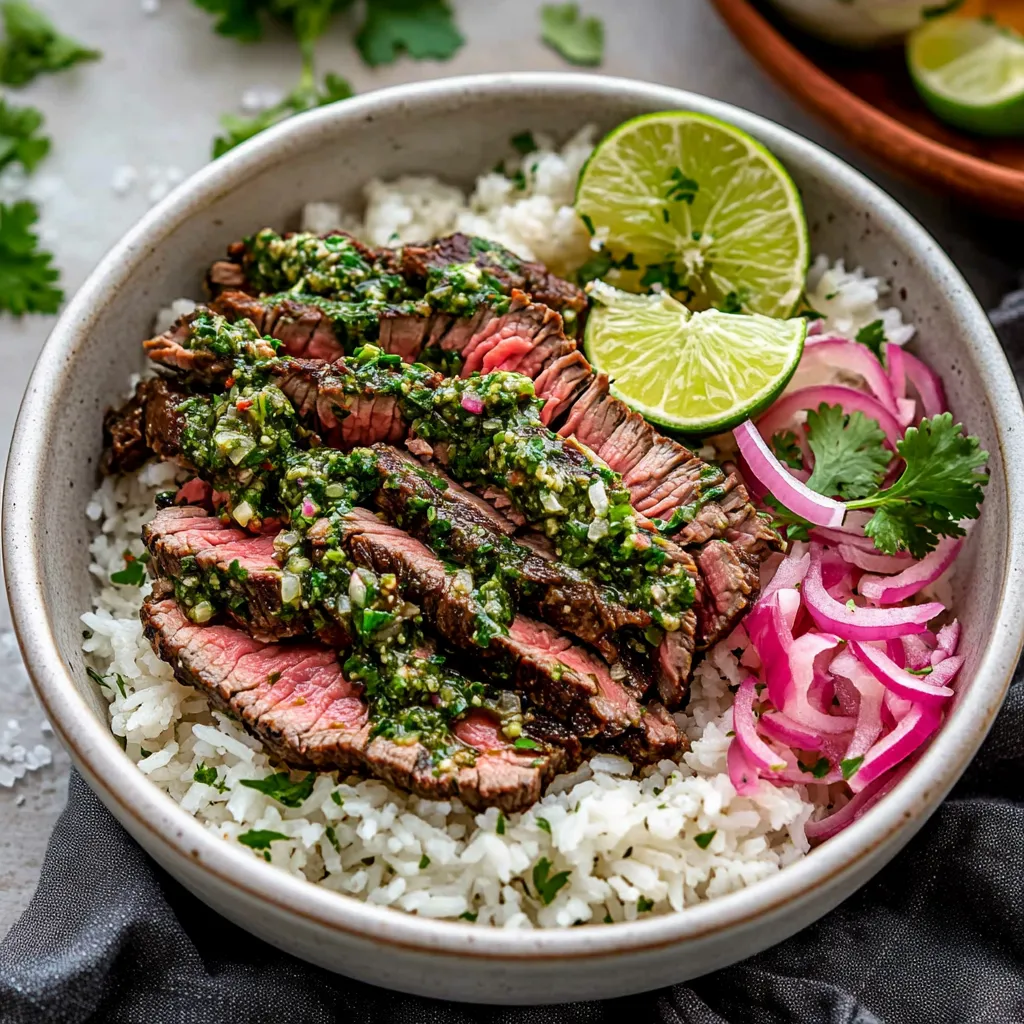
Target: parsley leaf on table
<point>306,97</point>
<point>26,276</point>
<point>873,335</point>
<point>940,485</point>
<point>280,787</point>
<point>579,40</point>
<point>422,28</point>
<point>32,45</point>
<point>850,457</point>
<point>19,141</point>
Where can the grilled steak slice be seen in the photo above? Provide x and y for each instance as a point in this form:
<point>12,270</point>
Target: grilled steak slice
<point>466,530</point>
<point>416,261</point>
<point>147,424</point>
<point>731,582</point>
<point>556,675</point>
<point>295,698</point>
<point>344,409</point>
<point>181,351</point>
<point>216,567</point>
<point>268,262</point>
<point>303,328</point>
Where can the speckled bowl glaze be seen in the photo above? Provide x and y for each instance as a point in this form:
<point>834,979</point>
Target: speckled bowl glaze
<point>453,129</point>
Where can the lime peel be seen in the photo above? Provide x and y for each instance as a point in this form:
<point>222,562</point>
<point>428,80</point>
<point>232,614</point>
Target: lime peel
<point>697,372</point>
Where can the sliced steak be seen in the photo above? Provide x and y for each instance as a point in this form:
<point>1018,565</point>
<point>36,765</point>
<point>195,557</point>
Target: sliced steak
<point>730,577</point>
<point>416,261</point>
<point>296,700</point>
<point>233,571</point>
<point>345,410</point>
<point>466,530</point>
<point>147,424</point>
<point>181,351</point>
<point>555,674</point>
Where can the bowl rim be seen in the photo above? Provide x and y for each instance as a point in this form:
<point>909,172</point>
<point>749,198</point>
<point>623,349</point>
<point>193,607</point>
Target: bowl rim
<point>181,837</point>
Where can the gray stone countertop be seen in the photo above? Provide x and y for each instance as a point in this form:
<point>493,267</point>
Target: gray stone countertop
<point>152,104</point>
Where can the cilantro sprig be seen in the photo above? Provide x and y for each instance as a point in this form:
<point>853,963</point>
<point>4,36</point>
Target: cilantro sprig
<point>20,140</point>
<point>547,884</point>
<point>941,485</point>
<point>32,45</point>
<point>850,457</point>
<point>27,276</point>
<point>424,29</point>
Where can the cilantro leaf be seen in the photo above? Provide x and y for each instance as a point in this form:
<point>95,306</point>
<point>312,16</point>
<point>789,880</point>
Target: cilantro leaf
<point>27,280</point>
<point>33,46</point>
<point>421,28</point>
<point>850,765</point>
<point>207,775</point>
<point>525,743</point>
<point>579,40</point>
<point>819,769</point>
<point>940,485</point>
<point>644,904</point>
<point>243,19</point>
<point>280,787</point>
<point>239,19</point>
<point>133,573</point>
<point>873,335</point>
<point>850,457</point>
<point>546,884</point>
<point>19,142</point>
<point>704,839</point>
<point>306,97</point>
<point>260,839</point>
<point>544,824</point>
<point>786,447</point>
<point>524,143</point>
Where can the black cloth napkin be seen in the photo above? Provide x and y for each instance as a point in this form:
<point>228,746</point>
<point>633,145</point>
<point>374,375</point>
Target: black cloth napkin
<point>938,936</point>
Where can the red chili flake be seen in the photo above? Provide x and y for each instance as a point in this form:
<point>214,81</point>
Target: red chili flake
<point>229,383</point>
<point>267,466</point>
<point>128,557</point>
<point>243,403</point>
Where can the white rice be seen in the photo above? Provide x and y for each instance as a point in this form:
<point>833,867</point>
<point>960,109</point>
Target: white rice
<point>629,843</point>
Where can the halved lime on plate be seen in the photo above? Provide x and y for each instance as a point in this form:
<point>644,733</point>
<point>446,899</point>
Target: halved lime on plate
<point>699,208</point>
<point>699,373</point>
<point>970,72</point>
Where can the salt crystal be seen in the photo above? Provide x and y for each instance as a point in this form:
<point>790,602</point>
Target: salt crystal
<point>150,7</point>
<point>124,180</point>
<point>260,98</point>
<point>6,776</point>
<point>20,801</point>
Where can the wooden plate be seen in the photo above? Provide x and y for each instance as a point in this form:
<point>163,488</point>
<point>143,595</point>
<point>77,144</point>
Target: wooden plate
<point>868,97</point>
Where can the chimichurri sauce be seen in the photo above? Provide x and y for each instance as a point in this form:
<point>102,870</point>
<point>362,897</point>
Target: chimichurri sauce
<point>267,466</point>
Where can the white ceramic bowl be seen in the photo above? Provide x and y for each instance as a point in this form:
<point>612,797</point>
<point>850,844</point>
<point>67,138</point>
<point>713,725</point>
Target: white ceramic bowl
<point>454,128</point>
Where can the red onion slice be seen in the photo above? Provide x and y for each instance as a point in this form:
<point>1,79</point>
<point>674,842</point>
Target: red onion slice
<point>825,828</point>
<point>781,727</point>
<point>755,750</point>
<point>949,637</point>
<point>841,354</point>
<point>919,723</point>
<point>798,706</point>
<point>892,589</point>
<point>742,774</point>
<point>897,369</point>
<point>863,559</point>
<point>796,496</point>
<point>919,689</point>
<point>927,384</point>
<point>860,623</point>
<point>869,711</point>
<point>780,415</point>
<point>791,571</point>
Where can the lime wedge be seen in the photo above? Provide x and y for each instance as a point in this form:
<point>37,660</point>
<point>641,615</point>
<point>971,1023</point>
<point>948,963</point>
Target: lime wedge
<point>699,373</point>
<point>700,208</point>
<point>970,73</point>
